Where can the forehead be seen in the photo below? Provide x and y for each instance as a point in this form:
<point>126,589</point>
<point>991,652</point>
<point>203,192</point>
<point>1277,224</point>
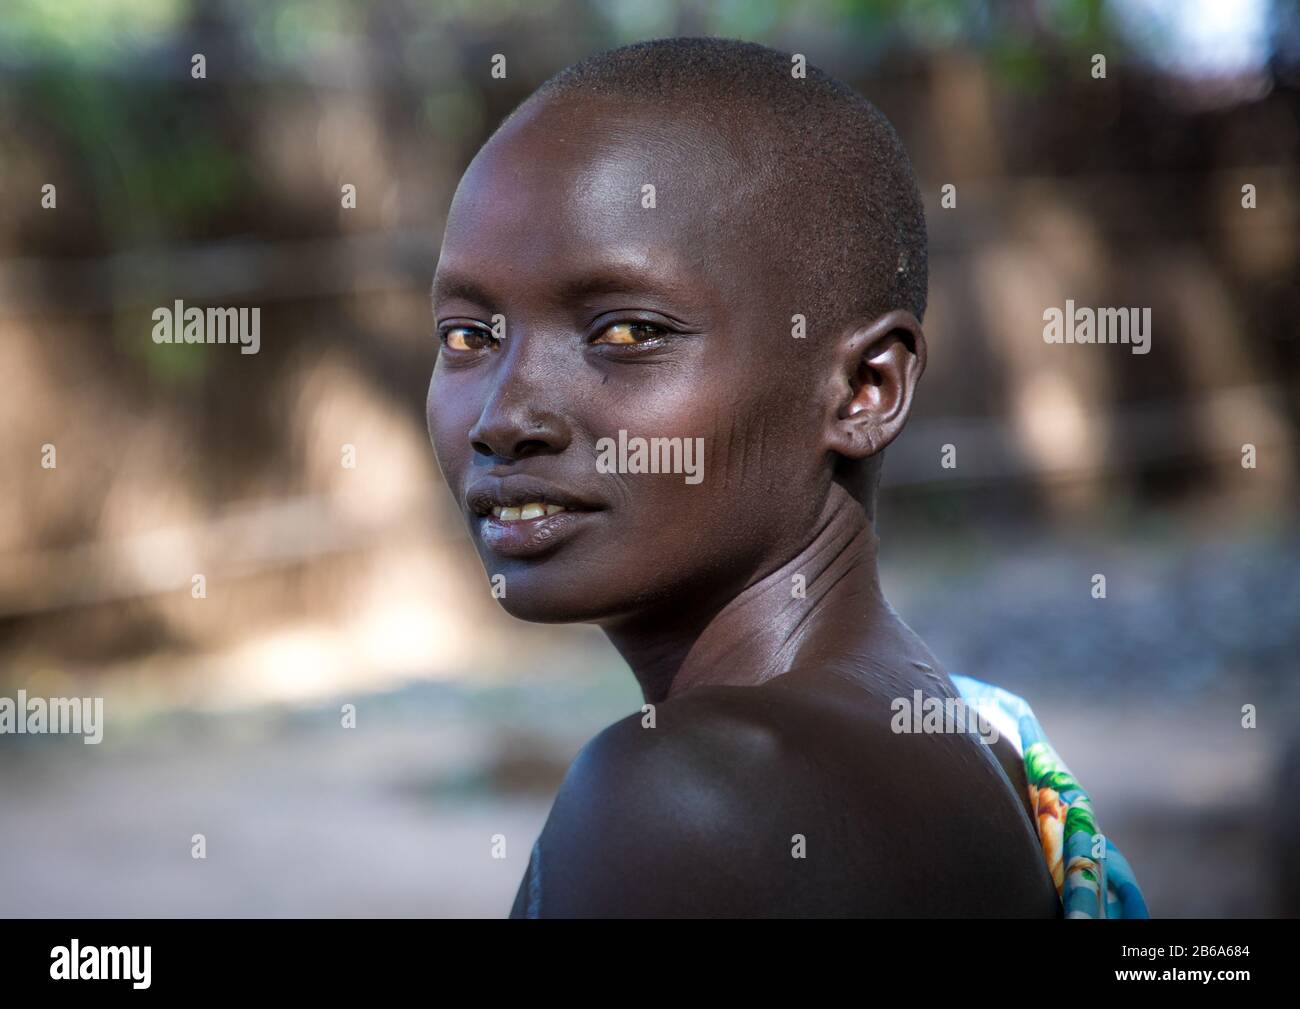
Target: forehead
<point>578,185</point>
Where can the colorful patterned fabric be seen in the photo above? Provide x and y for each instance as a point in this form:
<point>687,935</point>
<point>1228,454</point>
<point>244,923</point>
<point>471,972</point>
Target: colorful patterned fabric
<point>1092,877</point>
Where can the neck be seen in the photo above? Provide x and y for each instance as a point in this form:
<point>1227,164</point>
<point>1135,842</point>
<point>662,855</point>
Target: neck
<point>822,603</point>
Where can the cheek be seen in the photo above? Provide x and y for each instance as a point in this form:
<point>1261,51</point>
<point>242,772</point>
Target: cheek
<point>760,469</point>
<point>761,449</point>
<point>767,468</point>
<point>753,487</point>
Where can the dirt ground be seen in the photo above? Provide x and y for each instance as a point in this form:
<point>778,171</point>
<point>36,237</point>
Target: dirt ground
<point>397,817</point>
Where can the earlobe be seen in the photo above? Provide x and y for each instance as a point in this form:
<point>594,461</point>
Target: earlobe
<point>877,367</point>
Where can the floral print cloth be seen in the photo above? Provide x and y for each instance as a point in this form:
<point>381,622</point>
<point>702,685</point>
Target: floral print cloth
<point>1092,877</point>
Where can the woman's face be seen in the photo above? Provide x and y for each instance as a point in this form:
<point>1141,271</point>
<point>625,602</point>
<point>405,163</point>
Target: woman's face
<point>620,309</point>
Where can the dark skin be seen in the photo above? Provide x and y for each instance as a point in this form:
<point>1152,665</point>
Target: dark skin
<point>771,708</point>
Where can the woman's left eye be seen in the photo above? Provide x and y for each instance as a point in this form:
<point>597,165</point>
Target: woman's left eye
<point>624,333</point>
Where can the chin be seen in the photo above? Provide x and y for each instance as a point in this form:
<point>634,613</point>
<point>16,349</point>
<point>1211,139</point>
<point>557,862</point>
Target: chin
<point>536,611</point>
<point>545,591</point>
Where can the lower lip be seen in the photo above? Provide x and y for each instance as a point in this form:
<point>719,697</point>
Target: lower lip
<point>530,537</point>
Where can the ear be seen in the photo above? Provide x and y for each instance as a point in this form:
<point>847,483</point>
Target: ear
<point>877,368</point>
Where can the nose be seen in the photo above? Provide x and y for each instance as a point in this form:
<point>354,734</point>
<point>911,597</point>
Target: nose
<point>515,422</point>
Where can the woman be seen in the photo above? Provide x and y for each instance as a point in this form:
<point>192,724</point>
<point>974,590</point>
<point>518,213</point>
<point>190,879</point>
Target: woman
<point>713,257</point>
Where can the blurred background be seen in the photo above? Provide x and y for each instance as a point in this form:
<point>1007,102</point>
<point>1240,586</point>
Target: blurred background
<point>328,585</point>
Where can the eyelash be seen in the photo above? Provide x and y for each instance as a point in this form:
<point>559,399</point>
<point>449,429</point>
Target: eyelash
<point>446,330</point>
<point>653,340</point>
<point>480,332</point>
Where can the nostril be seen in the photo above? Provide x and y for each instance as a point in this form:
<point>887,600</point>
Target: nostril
<point>530,447</point>
<point>520,450</point>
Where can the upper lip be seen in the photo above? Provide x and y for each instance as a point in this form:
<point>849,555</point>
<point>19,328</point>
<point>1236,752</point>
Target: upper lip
<point>513,491</point>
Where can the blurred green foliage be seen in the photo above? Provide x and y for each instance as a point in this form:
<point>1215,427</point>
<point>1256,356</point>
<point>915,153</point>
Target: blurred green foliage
<point>86,30</point>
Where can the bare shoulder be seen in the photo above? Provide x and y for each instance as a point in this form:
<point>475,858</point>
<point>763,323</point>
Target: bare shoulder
<point>783,800</point>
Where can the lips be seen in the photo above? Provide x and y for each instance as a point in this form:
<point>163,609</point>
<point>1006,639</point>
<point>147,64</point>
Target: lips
<point>518,516</point>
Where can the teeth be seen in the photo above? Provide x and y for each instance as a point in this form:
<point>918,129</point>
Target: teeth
<point>531,510</point>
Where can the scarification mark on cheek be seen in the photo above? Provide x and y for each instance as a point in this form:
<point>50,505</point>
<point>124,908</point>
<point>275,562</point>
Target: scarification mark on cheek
<point>760,444</point>
<point>744,431</point>
<point>760,454</point>
<point>724,424</point>
<point>736,455</point>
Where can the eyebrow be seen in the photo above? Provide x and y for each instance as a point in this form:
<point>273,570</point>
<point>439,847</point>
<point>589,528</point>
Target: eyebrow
<point>612,280</point>
<point>454,285</point>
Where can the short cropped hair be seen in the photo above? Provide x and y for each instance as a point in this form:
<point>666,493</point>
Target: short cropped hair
<point>838,192</point>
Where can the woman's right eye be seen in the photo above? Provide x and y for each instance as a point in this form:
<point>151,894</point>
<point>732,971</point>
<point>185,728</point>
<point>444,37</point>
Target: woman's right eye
<point>466,338</point>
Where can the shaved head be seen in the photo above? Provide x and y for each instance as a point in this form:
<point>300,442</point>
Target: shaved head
<point>823,182</point>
